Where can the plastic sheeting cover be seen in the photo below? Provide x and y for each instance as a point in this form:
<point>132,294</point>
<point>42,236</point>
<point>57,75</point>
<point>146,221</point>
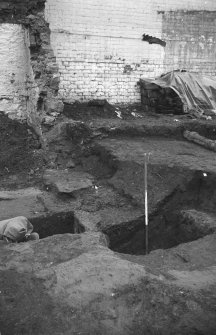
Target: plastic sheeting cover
<point>198,93</point>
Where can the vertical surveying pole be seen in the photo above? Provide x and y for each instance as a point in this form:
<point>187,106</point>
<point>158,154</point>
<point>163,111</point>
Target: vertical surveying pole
<point>146,200</point>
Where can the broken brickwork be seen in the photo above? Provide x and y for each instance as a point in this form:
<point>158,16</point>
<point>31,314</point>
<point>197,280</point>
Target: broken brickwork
<point>42,87</point>
<point>160,100</point>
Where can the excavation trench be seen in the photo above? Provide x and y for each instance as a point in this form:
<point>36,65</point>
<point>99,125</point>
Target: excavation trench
<point>60,223</point>
<point>187,216</point>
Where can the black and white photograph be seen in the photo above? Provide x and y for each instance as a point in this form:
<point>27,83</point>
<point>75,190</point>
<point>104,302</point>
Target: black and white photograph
<point>108,167</point>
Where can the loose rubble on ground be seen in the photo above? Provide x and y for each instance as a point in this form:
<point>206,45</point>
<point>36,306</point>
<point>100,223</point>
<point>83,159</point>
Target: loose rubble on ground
<point>86,271</point>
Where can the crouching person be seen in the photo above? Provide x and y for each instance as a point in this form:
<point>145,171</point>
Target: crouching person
<point>17,229</point>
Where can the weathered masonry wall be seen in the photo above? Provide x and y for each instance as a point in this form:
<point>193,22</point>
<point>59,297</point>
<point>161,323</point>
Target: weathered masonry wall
<point>14,69</point>
<point>29,77</point>
<point>99,48</point>
<point>191,40</point>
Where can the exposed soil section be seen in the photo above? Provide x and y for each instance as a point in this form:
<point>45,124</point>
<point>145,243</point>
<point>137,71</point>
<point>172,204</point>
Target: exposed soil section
<point>61,223</point>
<point>88,194</point>
<point>189,214</point>
<point>20,157</point>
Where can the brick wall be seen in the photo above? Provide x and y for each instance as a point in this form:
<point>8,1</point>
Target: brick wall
<point>29,76</point>
<point>99,47</point>
<point>191,40</point>
<point>14,55</point>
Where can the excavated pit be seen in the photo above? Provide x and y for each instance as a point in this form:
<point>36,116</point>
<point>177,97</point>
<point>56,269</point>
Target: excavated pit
<point>60,223</point>
<point>188,215</point>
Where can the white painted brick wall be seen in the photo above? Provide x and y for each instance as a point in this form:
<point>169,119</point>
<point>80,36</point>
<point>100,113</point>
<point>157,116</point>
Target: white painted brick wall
<point>99,49</point>
<point>14,69</point>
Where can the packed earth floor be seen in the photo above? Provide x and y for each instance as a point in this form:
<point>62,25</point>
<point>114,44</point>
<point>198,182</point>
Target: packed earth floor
<point>84,194</point>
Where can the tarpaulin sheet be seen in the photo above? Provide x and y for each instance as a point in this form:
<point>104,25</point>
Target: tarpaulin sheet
<point>198,93</point>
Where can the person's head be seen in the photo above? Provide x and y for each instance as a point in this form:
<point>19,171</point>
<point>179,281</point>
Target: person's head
<point>32,237</point>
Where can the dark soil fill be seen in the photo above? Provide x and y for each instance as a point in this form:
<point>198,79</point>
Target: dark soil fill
<point>190,214</point>
<point>60,223</point>
<point>16,146</point>
<point>98,109</point>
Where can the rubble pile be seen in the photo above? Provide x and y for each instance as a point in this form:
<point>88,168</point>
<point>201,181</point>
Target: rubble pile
<point>160,100</point>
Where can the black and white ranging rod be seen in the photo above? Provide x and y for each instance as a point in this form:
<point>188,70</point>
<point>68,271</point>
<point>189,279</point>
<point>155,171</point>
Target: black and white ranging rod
<point>146,160</point>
